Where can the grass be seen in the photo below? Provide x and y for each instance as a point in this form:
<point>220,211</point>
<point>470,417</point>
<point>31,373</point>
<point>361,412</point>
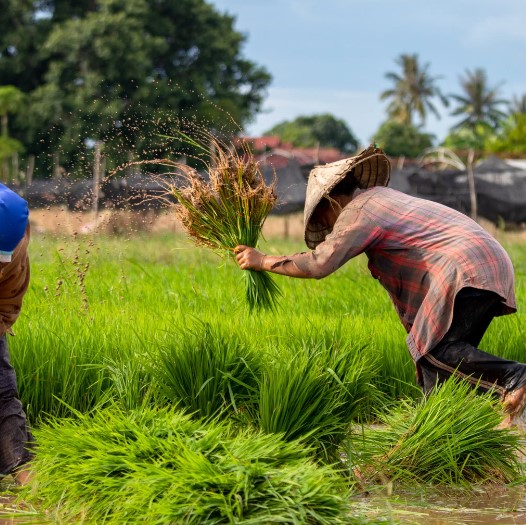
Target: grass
<point>76,342</point>
<point>205,371</point>
<point>449,438</point>
<point>151,324</point>
<point>316,393</point>
<point>160,467</point>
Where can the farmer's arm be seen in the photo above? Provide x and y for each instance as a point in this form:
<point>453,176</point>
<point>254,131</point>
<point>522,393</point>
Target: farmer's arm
<point>352,234</point>
<point>251,259</point>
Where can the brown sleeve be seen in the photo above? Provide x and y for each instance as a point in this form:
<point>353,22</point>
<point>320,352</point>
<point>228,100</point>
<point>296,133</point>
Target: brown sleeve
<point>352,234</point>
<point>14,280</point>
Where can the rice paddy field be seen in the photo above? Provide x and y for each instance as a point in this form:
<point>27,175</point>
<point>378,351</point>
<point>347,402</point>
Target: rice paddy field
<point>156,397</point>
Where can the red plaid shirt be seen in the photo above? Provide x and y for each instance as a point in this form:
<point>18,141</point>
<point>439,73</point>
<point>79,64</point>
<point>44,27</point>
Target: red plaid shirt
<point>421,252</point>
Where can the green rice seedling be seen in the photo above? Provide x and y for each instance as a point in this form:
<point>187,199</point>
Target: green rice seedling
<point>206,371</point>
<point>352,367</point>
<point>315,394</point>
<point>138,288</point>
<point>449,438</point>
<point>55,371</point>
<point>131,381</point>
<point>159,466</point>
<point>227,210</point>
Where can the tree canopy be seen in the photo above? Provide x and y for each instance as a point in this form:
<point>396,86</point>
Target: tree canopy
<point>124,72</point>
<point>323,130</point>
<point>479,104</point>
<point>512,137</point>
<point>412,91</point>
<point>402,140</point>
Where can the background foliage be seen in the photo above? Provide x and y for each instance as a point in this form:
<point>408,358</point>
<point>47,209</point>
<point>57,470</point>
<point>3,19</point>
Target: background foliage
<point>121,71</point>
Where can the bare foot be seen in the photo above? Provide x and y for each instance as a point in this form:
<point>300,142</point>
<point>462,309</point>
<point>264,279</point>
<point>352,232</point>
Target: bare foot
<point>514,403</point>
<point>23,477</point>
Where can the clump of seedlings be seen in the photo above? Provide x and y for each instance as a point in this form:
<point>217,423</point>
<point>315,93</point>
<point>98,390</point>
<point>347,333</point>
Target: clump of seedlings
<point>316,394</point>
<point>159,466</point>
<point>227,207</point>
<point>206,371</point>
<point>452,437</point>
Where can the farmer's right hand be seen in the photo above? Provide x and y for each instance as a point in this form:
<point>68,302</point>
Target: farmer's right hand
<point>249,258</point>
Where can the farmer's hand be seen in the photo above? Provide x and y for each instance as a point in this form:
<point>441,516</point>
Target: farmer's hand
<point>249,258</point>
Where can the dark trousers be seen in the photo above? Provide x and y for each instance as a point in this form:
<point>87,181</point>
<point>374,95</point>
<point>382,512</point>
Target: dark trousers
<point>458,354</point>
<point>15,436</point>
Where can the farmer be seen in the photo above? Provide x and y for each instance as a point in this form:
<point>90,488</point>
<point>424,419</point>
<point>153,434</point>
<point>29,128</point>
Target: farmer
<point>15,436</point>
<point>446,276</point>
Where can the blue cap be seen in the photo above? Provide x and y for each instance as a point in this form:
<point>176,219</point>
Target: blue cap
<point>14,215</point>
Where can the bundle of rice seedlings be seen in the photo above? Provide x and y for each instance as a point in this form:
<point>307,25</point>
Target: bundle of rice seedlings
<point>450,438</point>
<point>162,467</point>
<point>315,395</point>
<point>206,372</point>
<point>228,210</point>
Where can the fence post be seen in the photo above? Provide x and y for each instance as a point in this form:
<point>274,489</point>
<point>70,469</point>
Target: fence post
<point>30,169</point>
<point>96,176</point>
<point>471,182</point>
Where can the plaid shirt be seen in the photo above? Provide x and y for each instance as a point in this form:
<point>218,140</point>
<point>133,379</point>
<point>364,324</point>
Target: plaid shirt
<point>421,252</point>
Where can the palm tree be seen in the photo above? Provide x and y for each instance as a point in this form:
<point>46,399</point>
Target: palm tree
<point>479,105</point>
<point>412,91</point>
<point>517,105</point>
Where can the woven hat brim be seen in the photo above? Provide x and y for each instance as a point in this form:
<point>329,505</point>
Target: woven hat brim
<point>371,168</point>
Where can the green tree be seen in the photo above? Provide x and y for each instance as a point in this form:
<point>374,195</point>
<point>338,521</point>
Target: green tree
<point>517,105</point>
<point>512,136</point>
<point>324,130</point>
<point>11,100</point>
<point>125,72</point>
<point>412,91</point>
<point>468,138</point>
<point>402,140</point>
<point>479,105</point>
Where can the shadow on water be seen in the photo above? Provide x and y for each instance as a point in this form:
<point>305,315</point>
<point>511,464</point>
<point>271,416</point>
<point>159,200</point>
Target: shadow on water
<point>481,506</point>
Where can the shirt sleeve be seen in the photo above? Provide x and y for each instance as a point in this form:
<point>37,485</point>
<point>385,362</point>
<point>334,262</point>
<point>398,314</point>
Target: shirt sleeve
<point>14,281</point>
<point>353,233</point>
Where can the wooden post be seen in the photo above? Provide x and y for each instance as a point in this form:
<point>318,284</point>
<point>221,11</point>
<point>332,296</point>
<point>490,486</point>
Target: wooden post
<point>16,173</point>
<point>30,169</point>
<point>56,165</point>
<point>471,182</point>
<point>286,225</point>
<point>96,177</point>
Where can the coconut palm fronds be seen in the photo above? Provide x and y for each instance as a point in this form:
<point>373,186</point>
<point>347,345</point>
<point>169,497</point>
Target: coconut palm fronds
<point>227,210</point>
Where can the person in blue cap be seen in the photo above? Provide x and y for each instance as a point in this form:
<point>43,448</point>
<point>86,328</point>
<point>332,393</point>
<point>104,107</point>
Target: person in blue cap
<point>15,436</point>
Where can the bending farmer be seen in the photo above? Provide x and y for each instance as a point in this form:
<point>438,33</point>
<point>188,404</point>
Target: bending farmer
<point>15,436</point>
<point>446,276</point>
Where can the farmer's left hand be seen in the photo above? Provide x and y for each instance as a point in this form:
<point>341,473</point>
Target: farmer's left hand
<point>249,258</point>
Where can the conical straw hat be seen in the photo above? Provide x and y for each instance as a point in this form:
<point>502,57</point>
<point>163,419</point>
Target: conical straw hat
<point>371,168</point>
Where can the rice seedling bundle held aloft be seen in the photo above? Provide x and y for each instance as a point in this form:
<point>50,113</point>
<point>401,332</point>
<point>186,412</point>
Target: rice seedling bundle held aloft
<point>228,210</point>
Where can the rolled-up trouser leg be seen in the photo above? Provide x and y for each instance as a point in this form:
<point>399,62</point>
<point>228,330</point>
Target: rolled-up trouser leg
<point>458,354</point>
<point>15,436</point>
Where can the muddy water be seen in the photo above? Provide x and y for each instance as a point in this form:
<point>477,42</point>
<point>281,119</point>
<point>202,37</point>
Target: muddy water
<point>493,505</point>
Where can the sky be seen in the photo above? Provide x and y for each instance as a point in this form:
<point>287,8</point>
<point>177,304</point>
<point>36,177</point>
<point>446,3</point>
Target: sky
<point>331,56</point>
